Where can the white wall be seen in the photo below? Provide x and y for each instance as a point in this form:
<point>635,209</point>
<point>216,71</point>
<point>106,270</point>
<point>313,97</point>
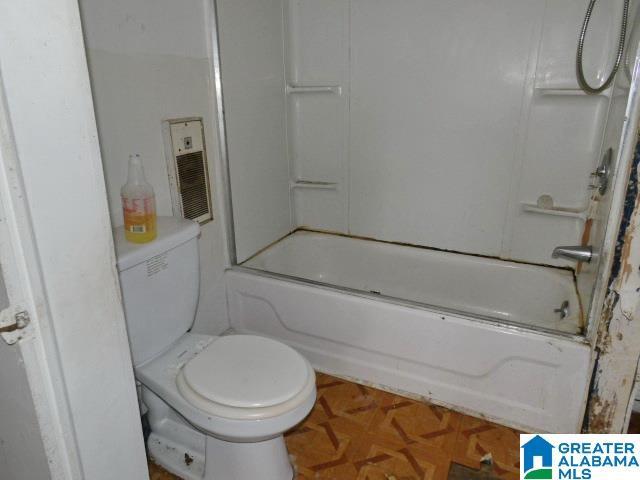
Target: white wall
<point>49,101</point>
<point>149,62</point>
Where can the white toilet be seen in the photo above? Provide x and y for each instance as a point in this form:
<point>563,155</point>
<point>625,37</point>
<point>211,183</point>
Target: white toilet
<point>217,406</point>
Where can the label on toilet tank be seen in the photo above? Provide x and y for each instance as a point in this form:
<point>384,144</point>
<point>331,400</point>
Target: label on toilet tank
<point>157,264</point>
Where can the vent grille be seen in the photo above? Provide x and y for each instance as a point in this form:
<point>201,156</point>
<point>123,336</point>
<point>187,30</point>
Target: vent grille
<point>187,168</point>
<point>192,180</point>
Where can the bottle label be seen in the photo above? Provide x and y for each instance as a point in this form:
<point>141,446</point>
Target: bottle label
<point>139,214</point>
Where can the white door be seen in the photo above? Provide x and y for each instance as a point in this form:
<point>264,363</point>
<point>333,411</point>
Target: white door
<point>22,451</point>
<point>69,379</point>
<point>36,438</point>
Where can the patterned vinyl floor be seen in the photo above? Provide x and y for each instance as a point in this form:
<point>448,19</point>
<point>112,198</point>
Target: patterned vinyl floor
<point>361,433</point>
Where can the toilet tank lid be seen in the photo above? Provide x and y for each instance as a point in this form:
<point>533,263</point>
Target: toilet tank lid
<point>172,232</point>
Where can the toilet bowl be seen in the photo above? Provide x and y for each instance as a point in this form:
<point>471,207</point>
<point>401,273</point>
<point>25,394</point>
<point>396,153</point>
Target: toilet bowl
<point>217,406</point>
<point>240,441</point>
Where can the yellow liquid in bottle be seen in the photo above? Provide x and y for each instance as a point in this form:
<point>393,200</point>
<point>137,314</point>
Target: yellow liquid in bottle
<point>139,219</point>
<point>141,228</point>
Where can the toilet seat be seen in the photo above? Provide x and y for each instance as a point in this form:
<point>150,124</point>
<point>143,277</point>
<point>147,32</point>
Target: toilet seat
<point>247,371</point>
<point>163,376</point>
<point>246,377</point>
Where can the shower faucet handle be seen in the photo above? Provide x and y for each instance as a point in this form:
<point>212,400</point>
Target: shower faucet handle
<point>602,173</point>
<point>563,310</point>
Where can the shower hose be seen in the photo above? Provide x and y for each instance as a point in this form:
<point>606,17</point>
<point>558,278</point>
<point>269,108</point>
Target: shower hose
<point>583,32</point>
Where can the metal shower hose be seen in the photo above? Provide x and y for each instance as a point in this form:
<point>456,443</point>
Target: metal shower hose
<point>623,33</point>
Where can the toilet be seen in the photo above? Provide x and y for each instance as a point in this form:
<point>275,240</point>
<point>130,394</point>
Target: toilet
<point>217,406</point>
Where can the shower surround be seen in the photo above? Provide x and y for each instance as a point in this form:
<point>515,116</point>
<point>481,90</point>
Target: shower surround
<point>399,175</point>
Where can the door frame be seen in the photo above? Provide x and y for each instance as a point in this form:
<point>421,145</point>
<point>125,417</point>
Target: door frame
<point>616,347</point>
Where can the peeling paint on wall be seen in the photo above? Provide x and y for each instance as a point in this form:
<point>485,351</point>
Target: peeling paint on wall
<point>631,202</point>
<point>617,347</point>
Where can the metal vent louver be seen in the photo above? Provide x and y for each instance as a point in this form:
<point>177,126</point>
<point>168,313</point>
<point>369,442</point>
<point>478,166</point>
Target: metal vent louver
<point>188,172</point>
<point>193,185</point>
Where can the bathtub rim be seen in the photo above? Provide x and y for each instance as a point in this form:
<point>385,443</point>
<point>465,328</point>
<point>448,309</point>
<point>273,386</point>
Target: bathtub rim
<point>506,326</point>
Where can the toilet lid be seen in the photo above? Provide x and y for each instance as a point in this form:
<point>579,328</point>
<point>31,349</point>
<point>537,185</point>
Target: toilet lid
<point>247,371</point>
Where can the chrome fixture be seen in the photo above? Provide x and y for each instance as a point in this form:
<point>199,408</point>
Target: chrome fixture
<point>578,253</point>
<point>583,32</point>
<point>603,172</point>
<point>563,310</point>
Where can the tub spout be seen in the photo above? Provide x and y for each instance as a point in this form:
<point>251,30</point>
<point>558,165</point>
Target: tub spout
<point>578,253</point>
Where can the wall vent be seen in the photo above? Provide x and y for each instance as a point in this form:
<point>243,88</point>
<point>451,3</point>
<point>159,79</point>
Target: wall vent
<point>188,169</point>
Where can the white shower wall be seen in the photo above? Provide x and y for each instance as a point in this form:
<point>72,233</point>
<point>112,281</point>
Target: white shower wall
<point>434,119</point>
<point>446,119</point>
<point>251,34</point>
<point>437,123</point>
<point>318,54</point>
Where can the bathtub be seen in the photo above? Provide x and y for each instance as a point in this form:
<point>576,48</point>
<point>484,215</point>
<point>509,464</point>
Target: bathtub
<point>485,287</point>
<point>391,316</point>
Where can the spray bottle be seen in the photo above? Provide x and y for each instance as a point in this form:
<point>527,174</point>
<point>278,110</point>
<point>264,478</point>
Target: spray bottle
<point>138,204</point>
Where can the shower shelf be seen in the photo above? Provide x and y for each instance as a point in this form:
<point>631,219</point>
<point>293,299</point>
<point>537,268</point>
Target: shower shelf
<point>579,213</point>
<point>566,92</point>
<point>335,89</point>
<point>316,185</point>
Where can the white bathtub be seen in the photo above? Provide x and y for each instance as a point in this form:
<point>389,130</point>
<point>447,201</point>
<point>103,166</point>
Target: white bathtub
<point>528,379</point>
<point>493,289</point>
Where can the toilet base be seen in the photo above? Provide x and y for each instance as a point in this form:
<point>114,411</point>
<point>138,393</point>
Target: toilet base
<point>184,451</point>
<point>176,458</point>
<point>266,460</point>
<point>174,444</point>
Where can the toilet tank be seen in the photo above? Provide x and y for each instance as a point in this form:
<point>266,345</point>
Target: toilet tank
<point>160,282</point>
